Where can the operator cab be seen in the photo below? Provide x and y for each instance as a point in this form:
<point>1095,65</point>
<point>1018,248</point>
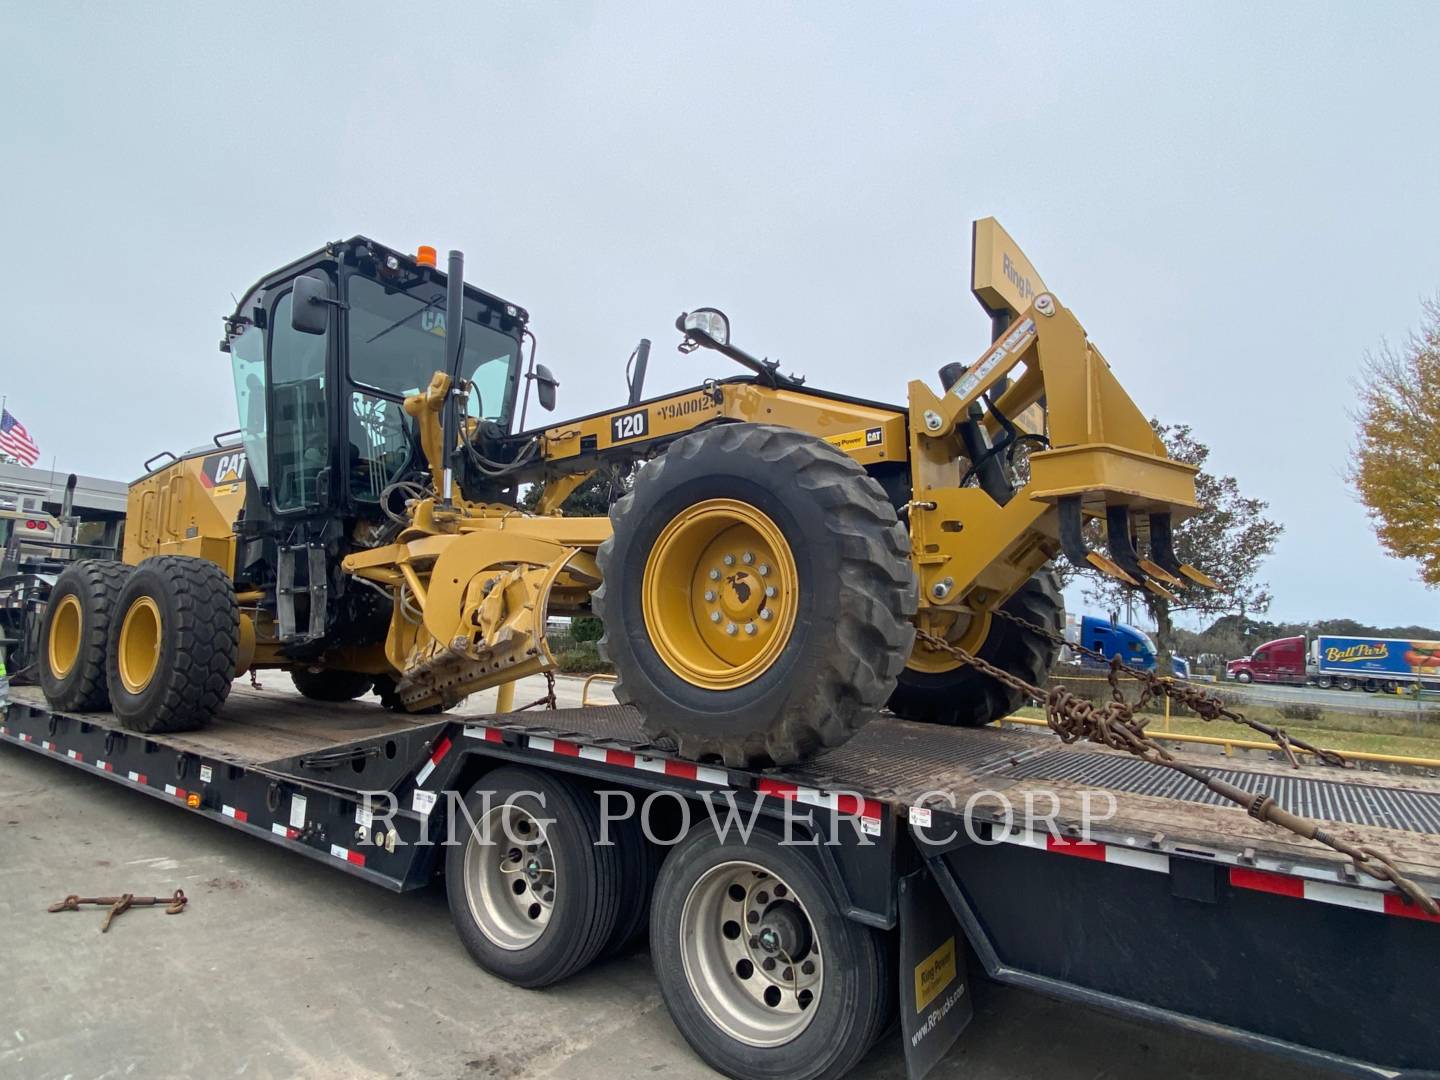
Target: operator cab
<point>325,351</point>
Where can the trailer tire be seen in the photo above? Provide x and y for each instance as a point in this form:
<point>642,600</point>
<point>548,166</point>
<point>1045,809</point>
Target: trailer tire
<point>501,910</point>
<point>173,644</point>
<point>1345,683</point>
<point>815,640</point>
<point>964,697</point>
<point>329,685</point>
<point>75,631</point>
<point>639,866</point>
<point>729,1008</point>
<point>1324,682</point>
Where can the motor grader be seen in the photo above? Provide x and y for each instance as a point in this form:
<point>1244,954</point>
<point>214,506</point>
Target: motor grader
<point>760,582</point>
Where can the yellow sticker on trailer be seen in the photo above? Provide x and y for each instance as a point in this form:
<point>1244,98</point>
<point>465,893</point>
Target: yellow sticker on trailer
<point>934,974</point>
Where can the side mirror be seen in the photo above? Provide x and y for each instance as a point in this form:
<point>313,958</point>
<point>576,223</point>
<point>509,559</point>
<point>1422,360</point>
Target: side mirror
<point>310,304</point>
<point>545,384</point>
<point>703,326</point>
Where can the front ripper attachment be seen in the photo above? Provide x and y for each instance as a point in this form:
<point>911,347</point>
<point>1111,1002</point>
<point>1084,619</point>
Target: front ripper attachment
<point>1162,547</point>
<point>1122,547</point>
<point>1072,542</point>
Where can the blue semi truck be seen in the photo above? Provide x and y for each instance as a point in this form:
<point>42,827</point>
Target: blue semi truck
<point>1132,645</point>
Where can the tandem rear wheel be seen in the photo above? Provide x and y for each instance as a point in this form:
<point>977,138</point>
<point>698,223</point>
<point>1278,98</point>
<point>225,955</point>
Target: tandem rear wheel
<point>761,972</point>
<point>534,895</point>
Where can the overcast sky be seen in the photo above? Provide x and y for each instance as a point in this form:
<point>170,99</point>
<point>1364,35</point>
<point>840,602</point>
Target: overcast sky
<point>1236,200</point>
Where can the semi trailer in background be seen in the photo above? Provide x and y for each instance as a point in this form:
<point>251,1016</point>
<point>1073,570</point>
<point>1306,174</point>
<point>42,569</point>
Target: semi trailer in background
<point>1343,663</point>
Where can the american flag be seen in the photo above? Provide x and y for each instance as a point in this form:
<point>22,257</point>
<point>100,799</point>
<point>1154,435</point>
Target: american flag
<point>16,441</point>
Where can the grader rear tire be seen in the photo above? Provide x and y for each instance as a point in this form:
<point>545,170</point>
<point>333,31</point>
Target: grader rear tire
<point>74,632</point>
<point>326,685</point>
<point>757,595</point>
<point>174,640</point>
<point>962,696</point>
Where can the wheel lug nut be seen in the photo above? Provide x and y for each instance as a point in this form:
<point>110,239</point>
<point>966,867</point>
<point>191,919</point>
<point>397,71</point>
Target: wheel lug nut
<point>754,942</point>
<point>808,967</point>
<point>714,616</point>
<point>709,596</point>
<point>749,628</point>
<point>729,560</point>
<point>747,558</point>
<point>767,615</point>
<point>763,570</point>
<point>770,591</point>
<point>768,963</point>
<point>714,575</point>
<point>788,974</point>
<point>730,629</point>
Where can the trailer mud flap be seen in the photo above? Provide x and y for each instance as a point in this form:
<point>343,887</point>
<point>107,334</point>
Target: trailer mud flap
<point>935,1004</point>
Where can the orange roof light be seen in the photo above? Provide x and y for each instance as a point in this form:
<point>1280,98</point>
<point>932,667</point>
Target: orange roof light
<point>425,255</point>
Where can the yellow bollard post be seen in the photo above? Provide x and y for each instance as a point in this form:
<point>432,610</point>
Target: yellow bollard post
<point>505,697</point>
<point>1167,714</point>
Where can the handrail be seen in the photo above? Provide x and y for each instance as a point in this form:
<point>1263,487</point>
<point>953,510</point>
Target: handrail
<point>585,690</point>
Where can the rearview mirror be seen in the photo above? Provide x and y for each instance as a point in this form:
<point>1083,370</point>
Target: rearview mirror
<point>310,304</point>
<point>545,384</point>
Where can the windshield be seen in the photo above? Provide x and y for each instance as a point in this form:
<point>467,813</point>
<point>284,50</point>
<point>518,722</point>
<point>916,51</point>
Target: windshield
<point>397,341</point>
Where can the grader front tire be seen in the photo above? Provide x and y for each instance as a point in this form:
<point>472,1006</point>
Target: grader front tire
<point>174,640</point>
<point>684,600</point>
<point>964,697</point>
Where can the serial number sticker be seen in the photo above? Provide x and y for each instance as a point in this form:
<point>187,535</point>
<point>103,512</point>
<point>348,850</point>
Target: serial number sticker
<point>297,811</point>
<point>635,425</point>
<point>205,774</point>
<point>363,816</point>
<point>919,815</point>
<point>674,410</point>
<point>422,802</point>
<point>934,974</point>
<point>857,440</point>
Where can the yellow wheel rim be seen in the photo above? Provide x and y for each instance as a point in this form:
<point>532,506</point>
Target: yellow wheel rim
<point>720,593</point>
<point>946,624</point>
<point>139,648</point>
<point>66,629</point>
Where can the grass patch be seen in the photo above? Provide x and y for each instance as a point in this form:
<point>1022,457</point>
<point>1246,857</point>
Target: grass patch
<point>1401,735</point>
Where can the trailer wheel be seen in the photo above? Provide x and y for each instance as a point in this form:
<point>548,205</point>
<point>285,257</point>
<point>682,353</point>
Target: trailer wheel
<point>327,685</point>
<point>173,644</point>
<point>74,631</point>
<point>962,696</point>
<point>757,595</point>
<point>533,895</point>
<point>1324,682</point>
<point>761,972</point>
<point>1345,683</point>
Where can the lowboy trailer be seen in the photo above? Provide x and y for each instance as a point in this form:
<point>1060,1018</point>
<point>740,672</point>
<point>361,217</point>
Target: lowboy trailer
<point>792,959</point>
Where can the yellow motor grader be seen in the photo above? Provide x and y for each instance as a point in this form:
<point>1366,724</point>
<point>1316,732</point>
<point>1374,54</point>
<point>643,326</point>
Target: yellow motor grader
<point>760,580</point>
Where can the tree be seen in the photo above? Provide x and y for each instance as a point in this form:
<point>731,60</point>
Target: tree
<point>591,499</point>
<point>1395,465</point>
<point>1228,539</point>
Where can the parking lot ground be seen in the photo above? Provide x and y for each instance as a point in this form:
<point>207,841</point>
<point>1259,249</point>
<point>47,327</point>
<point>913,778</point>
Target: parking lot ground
<point>282,967</point>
